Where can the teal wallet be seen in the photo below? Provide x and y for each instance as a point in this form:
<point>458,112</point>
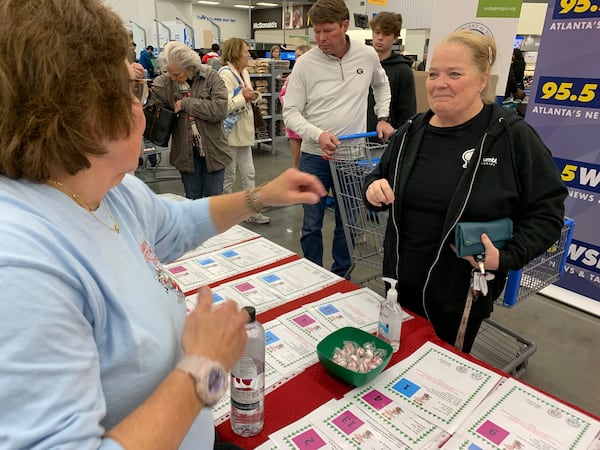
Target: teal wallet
<point>467,235</point>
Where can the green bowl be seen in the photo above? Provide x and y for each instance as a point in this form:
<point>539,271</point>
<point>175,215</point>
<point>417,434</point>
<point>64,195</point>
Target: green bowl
<point>326,347</point>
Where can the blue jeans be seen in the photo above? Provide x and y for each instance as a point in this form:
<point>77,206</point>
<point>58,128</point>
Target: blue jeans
<point>312,225</point>
<point>202,183</point>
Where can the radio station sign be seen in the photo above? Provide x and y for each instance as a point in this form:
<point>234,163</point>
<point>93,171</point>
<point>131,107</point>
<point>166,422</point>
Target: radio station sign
<point>564,108</point>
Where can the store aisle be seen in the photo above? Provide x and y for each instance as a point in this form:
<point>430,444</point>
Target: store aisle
<point>567,361</point>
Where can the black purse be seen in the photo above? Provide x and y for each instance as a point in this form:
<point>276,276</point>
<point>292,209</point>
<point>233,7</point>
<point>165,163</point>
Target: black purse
<point>160,122</point>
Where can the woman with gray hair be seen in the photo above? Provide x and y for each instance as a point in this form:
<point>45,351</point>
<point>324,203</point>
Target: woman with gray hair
<point>199,147</point>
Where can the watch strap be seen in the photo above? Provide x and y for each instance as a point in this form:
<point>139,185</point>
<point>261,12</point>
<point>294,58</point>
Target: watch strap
<point>210,377</point>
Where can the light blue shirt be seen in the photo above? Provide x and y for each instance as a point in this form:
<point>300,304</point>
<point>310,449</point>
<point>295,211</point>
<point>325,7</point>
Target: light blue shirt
<point>90,324</point>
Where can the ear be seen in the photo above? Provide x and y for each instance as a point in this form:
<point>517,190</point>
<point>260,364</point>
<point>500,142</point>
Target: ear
<point>484,81</point>
<point>345,24</point>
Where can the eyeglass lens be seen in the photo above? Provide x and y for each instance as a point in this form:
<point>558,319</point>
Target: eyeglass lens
<point>140,90</point>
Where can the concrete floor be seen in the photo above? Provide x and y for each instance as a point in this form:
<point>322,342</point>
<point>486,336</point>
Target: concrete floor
<point>567,360</point>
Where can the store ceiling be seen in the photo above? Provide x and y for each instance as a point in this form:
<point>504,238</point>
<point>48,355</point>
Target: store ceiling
<point>231,3</point>
<point>257,4</point>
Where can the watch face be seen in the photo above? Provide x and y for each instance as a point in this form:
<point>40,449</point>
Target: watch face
<point>216,381</point>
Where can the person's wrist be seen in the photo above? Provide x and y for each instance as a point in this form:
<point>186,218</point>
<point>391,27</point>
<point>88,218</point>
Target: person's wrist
<point>254,200</point>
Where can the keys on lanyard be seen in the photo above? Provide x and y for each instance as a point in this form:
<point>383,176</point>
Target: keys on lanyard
<point>480,277</point>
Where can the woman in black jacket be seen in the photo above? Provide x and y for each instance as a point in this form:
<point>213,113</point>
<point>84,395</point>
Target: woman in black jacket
<point>464,160</point>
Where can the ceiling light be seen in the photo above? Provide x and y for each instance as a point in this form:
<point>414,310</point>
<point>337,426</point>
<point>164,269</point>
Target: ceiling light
<point>266,4</point>
<point>243,6</point>
<point>207,2</point>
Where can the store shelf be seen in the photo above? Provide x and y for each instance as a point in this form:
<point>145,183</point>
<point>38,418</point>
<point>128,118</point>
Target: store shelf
<point>269,85</point>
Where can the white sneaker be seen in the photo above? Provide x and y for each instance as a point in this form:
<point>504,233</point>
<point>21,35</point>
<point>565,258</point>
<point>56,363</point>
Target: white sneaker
<point>258,218</point>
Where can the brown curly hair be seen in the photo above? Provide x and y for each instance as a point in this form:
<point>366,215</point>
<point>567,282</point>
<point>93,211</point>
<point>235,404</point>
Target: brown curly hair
<point>65,85</point>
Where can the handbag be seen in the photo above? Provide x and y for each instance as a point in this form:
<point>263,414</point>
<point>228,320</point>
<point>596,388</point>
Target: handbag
<point>232,118</point>
<point>230,121</point>
<point>160,122</point>
<point>467,235</point>
<point>259,121</point>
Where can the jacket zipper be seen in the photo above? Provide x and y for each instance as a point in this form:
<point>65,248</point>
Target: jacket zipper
<point>461,211</point>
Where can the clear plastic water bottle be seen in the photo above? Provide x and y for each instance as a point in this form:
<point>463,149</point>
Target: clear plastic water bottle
<point>390,317</point>
<point>248,382</point>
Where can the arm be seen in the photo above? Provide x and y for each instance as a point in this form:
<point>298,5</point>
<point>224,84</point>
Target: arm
<point>377,191</point>
<point>540,217</point>
<point>237,102</point>
<point>295,101</point>
<point>404,103</point>
<point>161,89</point>
<point>382,94</point>
<point>52,393</point>
<point>291,187</point>
<point>163,420</point>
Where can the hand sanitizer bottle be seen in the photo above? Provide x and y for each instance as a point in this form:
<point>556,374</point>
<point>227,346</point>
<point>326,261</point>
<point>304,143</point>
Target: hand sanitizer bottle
<point>390,317</point>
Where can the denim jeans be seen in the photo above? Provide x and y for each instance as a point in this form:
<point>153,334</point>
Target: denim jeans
<point>312,225</point>
<point>202,183</point>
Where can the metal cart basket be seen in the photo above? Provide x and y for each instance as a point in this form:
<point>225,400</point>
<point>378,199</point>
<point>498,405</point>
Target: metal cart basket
<point>364,231</point>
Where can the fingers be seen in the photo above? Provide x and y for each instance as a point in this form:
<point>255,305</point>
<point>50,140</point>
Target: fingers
<point>380,193</point>
<point>492,254</point>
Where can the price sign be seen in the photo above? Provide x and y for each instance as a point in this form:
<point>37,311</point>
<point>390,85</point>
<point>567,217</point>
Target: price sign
<point>581,92</point>
<point>576,9</point>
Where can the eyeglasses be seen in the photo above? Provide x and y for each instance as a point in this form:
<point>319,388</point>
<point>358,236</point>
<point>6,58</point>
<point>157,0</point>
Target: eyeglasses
<point>139,88</point>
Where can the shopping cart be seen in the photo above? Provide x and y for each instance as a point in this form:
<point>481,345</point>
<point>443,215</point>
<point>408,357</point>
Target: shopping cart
<point>364,231</point>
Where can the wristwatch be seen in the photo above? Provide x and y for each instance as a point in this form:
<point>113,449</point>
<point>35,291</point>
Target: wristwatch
<point>210,377</point>
<point>383,119</point>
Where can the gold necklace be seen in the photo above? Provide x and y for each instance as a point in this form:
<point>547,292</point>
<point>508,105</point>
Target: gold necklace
<point>77,199</point>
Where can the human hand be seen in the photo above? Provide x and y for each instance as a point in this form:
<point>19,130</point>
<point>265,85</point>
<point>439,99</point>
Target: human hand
<point>215,333</point>
<point>328,143</point>
<point>519,94</point>
<point>177,106</point>
<point>249,93</point>
<point>384,130</point>
<point>380,193</point>
<point>492,254</point>
<point>292,187</point>
<point>138,69</point>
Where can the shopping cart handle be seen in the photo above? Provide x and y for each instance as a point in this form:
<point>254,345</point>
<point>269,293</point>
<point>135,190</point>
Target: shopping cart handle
<point>357,135</point>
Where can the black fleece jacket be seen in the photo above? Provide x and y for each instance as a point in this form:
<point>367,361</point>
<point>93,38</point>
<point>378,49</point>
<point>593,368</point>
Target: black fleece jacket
<point>403,104</point>
<point>511,174</point>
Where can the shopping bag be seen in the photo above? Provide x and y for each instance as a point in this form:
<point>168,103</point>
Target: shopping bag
<point>230,121</point>
<point>160,122</point>
<point>467,235</point>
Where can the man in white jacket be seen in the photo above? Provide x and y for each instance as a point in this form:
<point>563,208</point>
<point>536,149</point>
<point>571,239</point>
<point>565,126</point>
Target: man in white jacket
<point>326,98</point>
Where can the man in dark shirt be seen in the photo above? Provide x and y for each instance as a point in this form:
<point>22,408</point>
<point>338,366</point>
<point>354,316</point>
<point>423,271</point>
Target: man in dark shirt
<point>386,28</point>
<point>146,60</point>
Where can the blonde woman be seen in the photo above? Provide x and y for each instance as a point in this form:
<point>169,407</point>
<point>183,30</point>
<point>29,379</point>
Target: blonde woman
<point>240,93</point>
<point>464,160</point>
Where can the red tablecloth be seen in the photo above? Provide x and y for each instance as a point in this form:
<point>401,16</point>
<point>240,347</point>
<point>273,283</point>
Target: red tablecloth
<point>314,386</point>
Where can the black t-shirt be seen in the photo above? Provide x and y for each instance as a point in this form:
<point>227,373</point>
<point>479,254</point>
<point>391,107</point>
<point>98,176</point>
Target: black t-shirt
<point>440,163</point>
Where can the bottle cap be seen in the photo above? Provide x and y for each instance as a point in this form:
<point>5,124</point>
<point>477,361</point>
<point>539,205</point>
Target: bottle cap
<point>251,310</point>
